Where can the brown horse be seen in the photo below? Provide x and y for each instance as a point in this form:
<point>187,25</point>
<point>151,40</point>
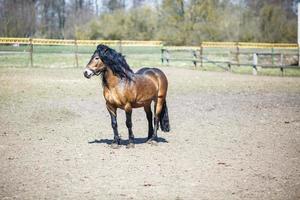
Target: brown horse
<point>124,89</point>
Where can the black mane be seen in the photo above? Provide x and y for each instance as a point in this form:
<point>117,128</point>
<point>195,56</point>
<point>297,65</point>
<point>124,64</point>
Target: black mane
<point>115,61</point>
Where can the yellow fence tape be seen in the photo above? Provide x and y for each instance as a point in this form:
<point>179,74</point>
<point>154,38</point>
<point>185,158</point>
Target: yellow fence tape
<point>250,45</point>
<point>38,41</point>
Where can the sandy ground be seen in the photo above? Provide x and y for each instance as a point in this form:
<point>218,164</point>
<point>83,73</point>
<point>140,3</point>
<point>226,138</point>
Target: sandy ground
<point>233,137</point>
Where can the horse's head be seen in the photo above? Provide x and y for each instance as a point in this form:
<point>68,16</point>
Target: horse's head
<point>104,58</point>
<point>95,66</point>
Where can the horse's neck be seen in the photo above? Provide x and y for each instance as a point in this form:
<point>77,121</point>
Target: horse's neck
<point>110,79</point>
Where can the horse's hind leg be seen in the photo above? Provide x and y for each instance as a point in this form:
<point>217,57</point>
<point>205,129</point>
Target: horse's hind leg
<point>157,110</point>
<point>129,126</point>
<point>149,118</point>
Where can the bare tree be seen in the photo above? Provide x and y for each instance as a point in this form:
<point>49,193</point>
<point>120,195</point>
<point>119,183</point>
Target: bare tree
<point>112,5</point>
<point>137,3</point>
<point>17,18</point>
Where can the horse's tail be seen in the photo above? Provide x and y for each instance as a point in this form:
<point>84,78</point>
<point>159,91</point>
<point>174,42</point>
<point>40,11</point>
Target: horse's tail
<point>164,118</point>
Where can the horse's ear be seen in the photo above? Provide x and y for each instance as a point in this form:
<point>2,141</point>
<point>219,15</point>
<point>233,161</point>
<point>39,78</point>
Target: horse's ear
<point>99,46</point>
<point>102,48</point>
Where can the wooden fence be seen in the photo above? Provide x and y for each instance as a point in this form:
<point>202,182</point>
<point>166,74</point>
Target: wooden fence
<point>37,41</point>
<point>199,55</point>
<point>31,42</point>
<point>235,50</point>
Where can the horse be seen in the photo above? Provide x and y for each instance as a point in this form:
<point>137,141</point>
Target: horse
<point>124,89</point>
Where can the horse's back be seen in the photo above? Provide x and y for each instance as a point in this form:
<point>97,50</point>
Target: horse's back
<point>146,71</point>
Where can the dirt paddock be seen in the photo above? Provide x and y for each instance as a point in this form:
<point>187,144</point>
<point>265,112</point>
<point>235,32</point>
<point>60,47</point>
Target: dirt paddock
<point>233,137</point>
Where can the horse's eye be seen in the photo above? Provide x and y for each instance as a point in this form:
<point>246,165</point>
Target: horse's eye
<point>97,58</point>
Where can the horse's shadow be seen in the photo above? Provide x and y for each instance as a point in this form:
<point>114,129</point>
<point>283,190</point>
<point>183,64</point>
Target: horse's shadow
<point>125,142</point>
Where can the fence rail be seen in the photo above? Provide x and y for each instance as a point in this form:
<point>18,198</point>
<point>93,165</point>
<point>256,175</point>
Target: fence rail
<point>240,45</point>
<point>73,45</point>
<point>231,53</point>
<point>249,45</point>
<point>39,41</point>
<point>281,60</point>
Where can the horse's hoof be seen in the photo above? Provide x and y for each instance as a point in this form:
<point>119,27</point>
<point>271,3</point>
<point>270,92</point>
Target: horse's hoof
<point>115,146</point>
<point>130,146</point>
<point>152,142</point>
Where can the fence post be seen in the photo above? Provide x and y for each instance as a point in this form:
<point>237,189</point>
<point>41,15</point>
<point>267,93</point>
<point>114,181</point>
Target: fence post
<point>255,61</point>
<point>201,54</point>
<point>76,53</point>
<point>162,55</point>
<point>195,58</point>
<point>237,54</point>
<point>281,64</point>
<point>229,66</point>
<point>31,52</point>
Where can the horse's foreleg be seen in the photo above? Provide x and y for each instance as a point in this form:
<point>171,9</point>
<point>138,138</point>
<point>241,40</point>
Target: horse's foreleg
<point>149,118</point>
<point>113,115</point>
<point>129,127</point>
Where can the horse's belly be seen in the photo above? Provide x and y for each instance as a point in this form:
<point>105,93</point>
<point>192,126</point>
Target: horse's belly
<point>139,104</point>
<point>134,97</point>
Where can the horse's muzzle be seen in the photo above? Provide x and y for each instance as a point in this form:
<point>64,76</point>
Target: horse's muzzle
<point>88,73</point>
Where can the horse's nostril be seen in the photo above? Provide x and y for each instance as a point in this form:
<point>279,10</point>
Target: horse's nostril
<point>88,73</point>
<point>85,73</point>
